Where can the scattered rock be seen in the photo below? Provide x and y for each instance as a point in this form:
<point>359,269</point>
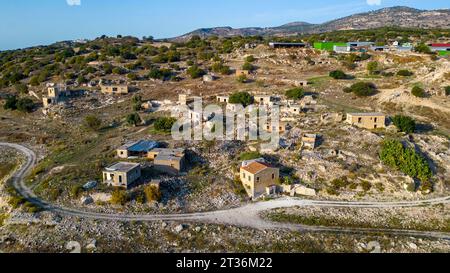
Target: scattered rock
<point>87,200</point>
<point>413,246</point>
<point>179,228</point>
<point>92,244</point>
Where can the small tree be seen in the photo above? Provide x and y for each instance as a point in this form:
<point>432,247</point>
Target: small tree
<point>132,76</point>
<point>338,75</point>
<point>137,102</point>
<point>152,193</point>
<point>372,67</point>
<point>422,48</point>
<point>11,103</point>
<point>34,81</point>
<point>404,124</point>
<point>418,91</point>
<point>195,72</point>
<point>21,88</point>
<point>362,89</point>
<point>134,119</point>
<point>250,59</point>
<point>248,66</point>
<point>92,122</point>
<point>241,79</point>
<point>25,105</point>
<point>295,93</point>
<point>81,79</point>
<point>164,124</point>
<point>243,98</point>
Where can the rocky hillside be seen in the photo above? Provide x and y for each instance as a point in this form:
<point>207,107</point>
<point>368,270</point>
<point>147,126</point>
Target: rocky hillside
<point>395,16</point>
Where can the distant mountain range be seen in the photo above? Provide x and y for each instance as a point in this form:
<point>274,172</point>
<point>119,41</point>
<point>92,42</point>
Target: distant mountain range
<point>405,17</point>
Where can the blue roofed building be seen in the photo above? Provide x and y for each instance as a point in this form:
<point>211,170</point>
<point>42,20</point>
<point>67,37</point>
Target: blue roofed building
<point>136,149</point>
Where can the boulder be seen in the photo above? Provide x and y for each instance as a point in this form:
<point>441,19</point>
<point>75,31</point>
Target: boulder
<point>87,200</point>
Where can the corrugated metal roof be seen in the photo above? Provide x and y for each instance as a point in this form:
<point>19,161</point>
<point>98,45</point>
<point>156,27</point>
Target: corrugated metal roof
<point>143,146</point>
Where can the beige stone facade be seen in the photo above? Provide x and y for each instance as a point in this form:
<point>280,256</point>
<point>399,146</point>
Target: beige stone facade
<point>257,177</point>
<point>171,161</point>
<point>122,174</point>
<point>223,99</point>
<point>309,141</point>
<point>263,99</point>
<point>114,89</point>
<point>367,120</point>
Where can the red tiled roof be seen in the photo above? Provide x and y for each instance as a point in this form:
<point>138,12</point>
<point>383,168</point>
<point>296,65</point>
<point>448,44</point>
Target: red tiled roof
<point>256,167</point>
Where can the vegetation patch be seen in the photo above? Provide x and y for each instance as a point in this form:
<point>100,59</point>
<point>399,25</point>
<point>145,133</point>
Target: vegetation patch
<point>362,89</point>
<point>407,160</point>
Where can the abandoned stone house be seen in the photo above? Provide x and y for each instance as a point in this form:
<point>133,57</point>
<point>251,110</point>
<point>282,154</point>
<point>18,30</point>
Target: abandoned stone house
<point>367,120</point>
<point>170,161</point>
<point>282,127</point>
<point>257,177</point>
<point>309,141</point>
<point>58,94</point>
<point>293,109</point>
<point>122,174</point>
<point>114,89</point>
<point>263,99</point>
<point>136,149</point>
<point>184,99</point>
<point>223,99</point>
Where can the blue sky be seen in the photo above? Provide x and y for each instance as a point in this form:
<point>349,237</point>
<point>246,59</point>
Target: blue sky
<point>26,23</point>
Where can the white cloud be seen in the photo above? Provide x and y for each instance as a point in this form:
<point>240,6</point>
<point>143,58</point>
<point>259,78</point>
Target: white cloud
<point>73,2</point>
<point>373,2</point>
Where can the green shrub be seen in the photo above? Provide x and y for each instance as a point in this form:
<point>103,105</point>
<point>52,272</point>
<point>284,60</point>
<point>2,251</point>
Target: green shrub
<point>404,124</point>
<point>241,79</point>
<point>295,93</point>
<point>195,72</point>
<point>21,88</point>
<point>243,98</point>
<point>340,183</point>
<point>407,160</point>
<point>418,91</point>
<point>160,74</point>
<point>338,75</point>
<point>92,122</point>
<point>152,193</point>
<point>164,124</point>
<point>248,66</point>
<point>372,67</point>
<point>422,48</point>
<point>119,197</point>
<point>133,119</point>
<point>76,191</point>
<point>219,67</point>
<point>10,103</point>
<point>366,186</point>
<point>250,59</point>
<point>405,73</point>
<point>361,89</point>
<point>25,105</point>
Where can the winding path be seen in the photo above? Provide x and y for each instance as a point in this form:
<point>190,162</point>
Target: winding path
<point>245,216</point>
